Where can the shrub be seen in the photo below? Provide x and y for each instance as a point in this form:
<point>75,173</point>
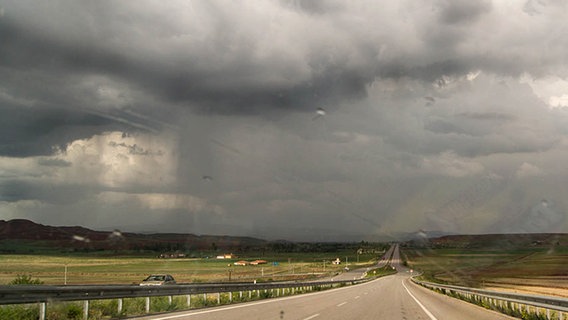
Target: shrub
<point>24,279</point>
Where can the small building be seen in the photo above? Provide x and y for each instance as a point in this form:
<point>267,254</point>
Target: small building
<point>172,255</point>
<point>256,262</point>
<point>227,256</point>
<point>241,263</point>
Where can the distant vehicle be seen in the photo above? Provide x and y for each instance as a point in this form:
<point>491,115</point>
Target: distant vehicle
<point>346,268</point>
<point>158,280</point>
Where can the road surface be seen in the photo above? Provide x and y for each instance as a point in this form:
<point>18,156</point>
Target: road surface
<point>391,297</point>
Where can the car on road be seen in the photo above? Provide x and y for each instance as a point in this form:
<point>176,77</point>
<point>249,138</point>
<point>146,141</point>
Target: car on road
<point>158,280</point>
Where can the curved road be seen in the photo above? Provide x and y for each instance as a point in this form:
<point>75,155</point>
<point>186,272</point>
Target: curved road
<point>390,297</point>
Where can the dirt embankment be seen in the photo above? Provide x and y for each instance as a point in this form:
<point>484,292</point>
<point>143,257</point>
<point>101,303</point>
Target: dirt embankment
<point>540,285</point>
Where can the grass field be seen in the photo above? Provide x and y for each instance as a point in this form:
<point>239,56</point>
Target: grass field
<point>535,269</point>
<point>85,269</point>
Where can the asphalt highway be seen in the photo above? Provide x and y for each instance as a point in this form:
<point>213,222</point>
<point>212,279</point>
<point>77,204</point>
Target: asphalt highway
<point>390,297</point>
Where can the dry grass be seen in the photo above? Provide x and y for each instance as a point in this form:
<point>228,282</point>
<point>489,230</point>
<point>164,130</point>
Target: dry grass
<point>128,270</point>
<point>537,270</point>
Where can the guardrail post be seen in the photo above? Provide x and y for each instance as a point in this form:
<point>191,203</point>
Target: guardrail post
<point>189,301</point>
<point>205,298</point>
<point>240,295</point>
<point>119,306</point>
<point>86,309</point>
<point>548,314</point>
<point>218,298</point>
<point>42,306</point>
<point>147,307</point>
<point>250,294</point>
<point>170,299</point>
<point>230,297</point>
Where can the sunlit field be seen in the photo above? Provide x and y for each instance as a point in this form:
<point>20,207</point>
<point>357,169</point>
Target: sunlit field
<point>86,269</point>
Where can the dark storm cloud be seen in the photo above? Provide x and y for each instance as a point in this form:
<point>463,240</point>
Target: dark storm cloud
<point>32,51</point>
<point>222,74</point>
<point>16,190</point>
<point>28,132</point>
<point>165,94</point>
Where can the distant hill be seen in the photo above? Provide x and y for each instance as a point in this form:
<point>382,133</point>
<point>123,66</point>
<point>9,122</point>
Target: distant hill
<point>23,235</point>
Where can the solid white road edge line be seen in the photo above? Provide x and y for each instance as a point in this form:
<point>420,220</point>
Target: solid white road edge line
<point>339,305</point>
<point>313,316</point>
<point>420,304</point>
<point>247,304</point>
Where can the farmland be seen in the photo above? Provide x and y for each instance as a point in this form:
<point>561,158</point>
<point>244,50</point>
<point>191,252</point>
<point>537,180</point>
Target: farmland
<point>521,265</point>
<point>92,269</point>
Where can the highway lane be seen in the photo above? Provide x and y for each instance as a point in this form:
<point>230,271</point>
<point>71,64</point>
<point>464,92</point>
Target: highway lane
<point>354,274</point>
<point>391,297</point>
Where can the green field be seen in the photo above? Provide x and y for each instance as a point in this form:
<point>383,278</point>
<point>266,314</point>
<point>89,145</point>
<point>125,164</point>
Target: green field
<point>92,269</point>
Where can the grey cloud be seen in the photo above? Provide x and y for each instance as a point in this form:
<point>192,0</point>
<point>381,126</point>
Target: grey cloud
<point>135,149</point>
<point>488,116</point>
<point>458,12</point>
<point>314,7</point>
<point>439,126</point>
<point>15,190</point>
<point>54,162</point>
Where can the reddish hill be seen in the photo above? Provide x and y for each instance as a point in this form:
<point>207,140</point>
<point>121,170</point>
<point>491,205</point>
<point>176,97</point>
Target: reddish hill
<point>28,232</point>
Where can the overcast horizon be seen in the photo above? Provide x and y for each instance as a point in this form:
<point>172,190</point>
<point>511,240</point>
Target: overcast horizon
<point>297,120</point>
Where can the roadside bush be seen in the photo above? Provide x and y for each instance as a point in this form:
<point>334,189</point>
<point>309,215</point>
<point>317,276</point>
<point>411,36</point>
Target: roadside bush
<point>74,311</point>
<point>24,279</point>
<point>19,312</point>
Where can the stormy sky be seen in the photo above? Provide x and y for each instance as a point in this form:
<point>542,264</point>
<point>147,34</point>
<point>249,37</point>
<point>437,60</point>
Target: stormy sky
<point>299,120</point>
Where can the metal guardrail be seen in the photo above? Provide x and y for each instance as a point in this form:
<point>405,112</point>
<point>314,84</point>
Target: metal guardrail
<point>513,301</point>
<point>27,294</point>
<point>33,293</point>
